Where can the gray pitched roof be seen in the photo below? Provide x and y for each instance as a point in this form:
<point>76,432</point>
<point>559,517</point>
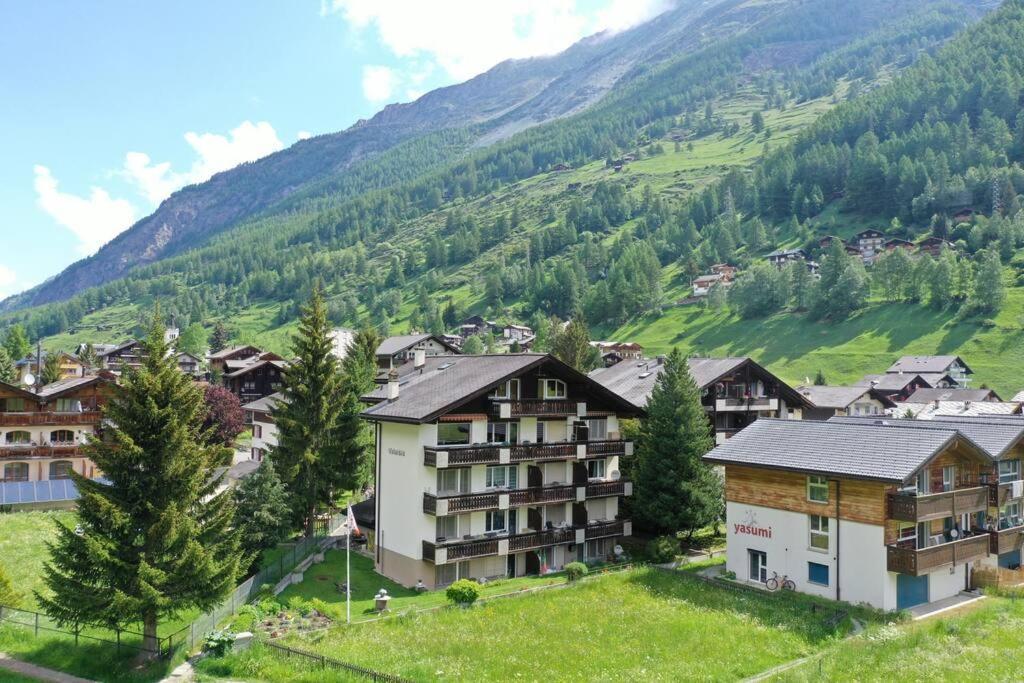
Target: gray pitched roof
<point>265,404</point>
<point>859,450</point>
<point>393,345</point>
<point>64,385</point>
<point>951,394</point>
<point>887,382</point>
<point>832,397</point>
<point>995,434</point>
<point>246,369</point>
<point>925,364</point>
<point>224,353</point>
<point>447,381</point>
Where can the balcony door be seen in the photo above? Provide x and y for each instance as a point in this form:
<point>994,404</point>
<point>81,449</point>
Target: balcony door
<point>534,476</point>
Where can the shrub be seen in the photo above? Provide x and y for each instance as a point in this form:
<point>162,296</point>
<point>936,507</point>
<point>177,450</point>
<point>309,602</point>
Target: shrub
<point>463,592</point>
<point>576,571</point>
<point>8,596</point>
<point>219,643</point>
<point>663,549</point>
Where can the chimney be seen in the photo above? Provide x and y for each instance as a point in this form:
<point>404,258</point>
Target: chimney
<point>393,385</point>
<point>661,360</point>
<point>419,358</point>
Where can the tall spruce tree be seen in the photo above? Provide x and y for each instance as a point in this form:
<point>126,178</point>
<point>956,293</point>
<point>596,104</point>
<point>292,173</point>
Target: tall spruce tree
<point>571,345</point>
<point>156,538</point>
<point>8,373</point>
<point>51,370</point>
<point>675,490</point>
<point>308,454</point>
<point>354,436</point>
<point>220,338</point>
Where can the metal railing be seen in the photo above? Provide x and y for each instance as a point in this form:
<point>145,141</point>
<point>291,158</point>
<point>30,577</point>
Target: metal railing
<point>325,661</point>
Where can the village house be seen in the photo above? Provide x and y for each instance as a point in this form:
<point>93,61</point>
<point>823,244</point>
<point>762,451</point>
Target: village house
<point>475,324</point>
<point>70,366</point>
<point>42,431</point>
<point>495,465</point>
<point>869,243</point>
<point>188,364</point>
<point>895,243</point>
<point>933,246</point>
<point>946,409</point>
<point>519,333</point>
<point>829,401</point>
<point>264,431</point>
<point>232,358</point>
<point>260,377</point>
<point>953,394</point>
<point>885,512</point>
<point>127,355</point>
<point>896,387</point>
<point>396,351</point>
<point>613,352</point>
<point>781,257</point>
<point>341,340</point>
<point>934,369</point>
<point>734,391</point>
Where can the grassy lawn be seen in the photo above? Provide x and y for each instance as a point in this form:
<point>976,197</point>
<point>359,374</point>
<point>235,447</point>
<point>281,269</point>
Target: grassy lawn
<point>23,537</point>
<point>640,624</point>
<point>320,579</point>
<point>981,644</point>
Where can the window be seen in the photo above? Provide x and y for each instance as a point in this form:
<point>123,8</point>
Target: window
<point>1009,470</point>
<point>509,389</point>
<point>69,405</point>
<point>496,520</point>
<point>542,431</point>
<point>598,429</point>
<point>62,436</point>
<point>16,471</point>
<point>758,562</point>
<point>14,405</point>
<point>817,573</point>
<point>452,433</point>
<point>60,469</point>
<point>552,388</point>
<point>600,549</point>
<point>503,432</point>
<point>257,431</point>
<point>21,437</point>
<point>502,477</point>
<point>453,481</point>
<point>595,469</point>
<point>447,527</point>
<point>948,474</point>
<point>819,532</point>
<point>1009,515</point>
<point>446,574</point>
<point>817,489</point>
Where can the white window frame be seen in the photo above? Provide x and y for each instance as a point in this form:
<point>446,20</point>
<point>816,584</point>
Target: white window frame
<point>1012,511</point>
<point>815,483</point>
<point>597,434</point>
<point>469,434</point>
<point>508,473</point>
<point>542,431</point>
<point>444,521</point>
<point>492,516</point>
<point>817,529</point>
<point>462,480</point>
<point>546,385</point>
<point>511,432</point>
<point>1012,473</point>
<point>601,467</point>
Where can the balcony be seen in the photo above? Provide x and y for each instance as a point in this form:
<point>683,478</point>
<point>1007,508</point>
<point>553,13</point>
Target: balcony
<point>1006,540</point>
<point>535,495</point>
<point>920,561</point>
<point>46,418</point>
<point>537,407</point>
<point>910,507</point>
<point>31,450</point>
<point>743,405</point>
<point>456,551</point>
<point>501,454</point>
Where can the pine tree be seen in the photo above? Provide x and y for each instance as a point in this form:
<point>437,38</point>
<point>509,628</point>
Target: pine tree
<point>51,371</point>
<point>572,345</point>
<point>220,338</point>
<point>16,342</point>
<point>89,358</point>
<point>262,513</point>
<point>819,379</point>
<point>307,453</point>
<point>156,537</point>
<point>354,436</point>
<point>8,373</point>
<point>675,490</point>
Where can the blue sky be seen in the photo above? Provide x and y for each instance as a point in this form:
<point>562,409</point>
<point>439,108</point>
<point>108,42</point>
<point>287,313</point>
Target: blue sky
<point>108,107</point>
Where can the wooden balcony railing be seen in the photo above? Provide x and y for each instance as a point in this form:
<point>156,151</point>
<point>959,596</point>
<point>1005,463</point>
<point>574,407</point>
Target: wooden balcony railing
<point>539,539</point>
<point>746,404</point>
<point>907,507</point>
<point>600,489</point>
<point>542,495</point>
<point>457,550</point>
<point>920,561</point>
<point>1006,540</point>
<point>605,529</point>
<point>999,494</point>
<point>534,495</point>
<point>44,451</point>
<point>45,418</point>
<point>529,407</point>
<point>490,454</point>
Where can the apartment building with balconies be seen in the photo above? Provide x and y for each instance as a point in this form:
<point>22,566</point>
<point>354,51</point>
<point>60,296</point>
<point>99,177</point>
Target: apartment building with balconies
<point>495,465</point>
<point>42,432</point>
<point>893,513</point>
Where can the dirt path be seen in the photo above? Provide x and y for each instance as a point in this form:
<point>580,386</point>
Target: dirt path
<point>38,672</point>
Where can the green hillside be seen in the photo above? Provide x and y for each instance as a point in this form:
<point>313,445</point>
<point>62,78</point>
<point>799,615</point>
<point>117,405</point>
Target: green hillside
<point>819,119</point>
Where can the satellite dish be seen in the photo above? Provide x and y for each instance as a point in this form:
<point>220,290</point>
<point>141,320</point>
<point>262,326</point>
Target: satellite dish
<point>953,533</point>
<point>617,549</point>
<point>615,475</point>
<point>79,531</point>
<point>30,379</point>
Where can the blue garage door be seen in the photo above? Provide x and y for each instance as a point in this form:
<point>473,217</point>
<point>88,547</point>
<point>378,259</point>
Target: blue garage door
<point>911,590</point>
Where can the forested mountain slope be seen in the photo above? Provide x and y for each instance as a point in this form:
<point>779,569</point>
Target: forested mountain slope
<point>770,136</point>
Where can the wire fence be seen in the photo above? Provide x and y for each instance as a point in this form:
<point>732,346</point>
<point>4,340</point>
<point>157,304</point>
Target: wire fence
<point>325,661</point>
<point>196,630</point>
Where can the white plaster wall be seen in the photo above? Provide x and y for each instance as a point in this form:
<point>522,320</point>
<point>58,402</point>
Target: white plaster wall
<point>403,526</point>
<point>863,571</point>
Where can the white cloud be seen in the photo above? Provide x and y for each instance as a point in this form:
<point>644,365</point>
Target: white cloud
<point>467,37</point>
<point>378,82</point>
<point>304,135</point>
<point>215,153</point>
<point>8,278</point>
<point>94,220</point>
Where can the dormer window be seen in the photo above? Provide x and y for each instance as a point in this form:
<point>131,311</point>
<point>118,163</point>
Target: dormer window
<point>507,390</point>
<point>552,388</point>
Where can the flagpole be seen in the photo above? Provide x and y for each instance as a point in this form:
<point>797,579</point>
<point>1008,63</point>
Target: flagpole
<point>348,577</point>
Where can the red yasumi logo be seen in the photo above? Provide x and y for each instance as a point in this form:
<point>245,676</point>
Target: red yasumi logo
<point>751,528</point>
